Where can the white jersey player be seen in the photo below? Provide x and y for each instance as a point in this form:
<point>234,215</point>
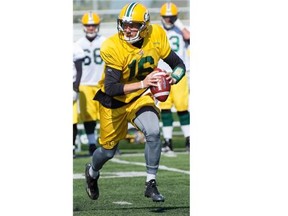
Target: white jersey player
<point>92,69</point>
<point>179,38</point>
<point>78,56</point>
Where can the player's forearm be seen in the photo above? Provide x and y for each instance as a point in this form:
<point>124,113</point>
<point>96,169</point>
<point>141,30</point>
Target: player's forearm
<point>78,66</point>
<point>113,87</point>
<point>177,65</point>
<point>186,34</point>
<point>131,87</point>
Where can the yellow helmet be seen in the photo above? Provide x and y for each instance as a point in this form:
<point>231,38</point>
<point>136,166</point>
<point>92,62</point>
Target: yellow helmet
<point>133,13</point>
<point>91,19</point>
<point>169,10</point>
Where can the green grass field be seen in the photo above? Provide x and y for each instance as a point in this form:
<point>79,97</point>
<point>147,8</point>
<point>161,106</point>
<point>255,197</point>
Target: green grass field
<point>123,195</point>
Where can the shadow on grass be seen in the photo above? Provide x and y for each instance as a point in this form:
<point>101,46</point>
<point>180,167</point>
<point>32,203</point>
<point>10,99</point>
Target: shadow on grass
<point>151,209</point>
<point>165,209</point>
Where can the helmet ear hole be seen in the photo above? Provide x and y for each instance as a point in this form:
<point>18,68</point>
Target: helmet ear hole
<point>144,31</point>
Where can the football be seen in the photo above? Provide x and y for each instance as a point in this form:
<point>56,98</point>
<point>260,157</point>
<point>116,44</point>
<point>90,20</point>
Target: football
<point>162,90</point>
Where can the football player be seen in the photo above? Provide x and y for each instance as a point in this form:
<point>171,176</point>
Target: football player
<point>78,56</point>
<point>92,69</point>
<point>179,38</point>
<point>130,59</point>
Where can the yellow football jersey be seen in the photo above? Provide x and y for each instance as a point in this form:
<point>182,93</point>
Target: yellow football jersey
<point>135,63</point>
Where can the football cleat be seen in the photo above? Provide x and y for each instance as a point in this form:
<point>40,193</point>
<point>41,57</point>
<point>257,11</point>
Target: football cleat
<point>152,191</point>
<point>167,145</point>
<point>167,148</point>
<point>92,184</point>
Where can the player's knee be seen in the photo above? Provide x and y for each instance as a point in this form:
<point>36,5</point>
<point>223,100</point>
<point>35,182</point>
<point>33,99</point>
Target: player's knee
<point>108,153</point>
<point>152,134</point>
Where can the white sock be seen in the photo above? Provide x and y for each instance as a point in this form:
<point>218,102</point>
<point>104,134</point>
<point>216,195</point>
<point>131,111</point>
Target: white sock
<point>186,130</point>
<point>91,138</point>
<point>150,177</point>
<point>167,132</point>
<point>92,173</point>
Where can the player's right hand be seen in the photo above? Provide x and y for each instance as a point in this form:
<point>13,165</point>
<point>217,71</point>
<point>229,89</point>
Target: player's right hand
<point>151,80</point>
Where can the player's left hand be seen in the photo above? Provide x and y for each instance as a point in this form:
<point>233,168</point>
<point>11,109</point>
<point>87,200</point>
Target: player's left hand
<point>171,80</point>
<point>75,96</point>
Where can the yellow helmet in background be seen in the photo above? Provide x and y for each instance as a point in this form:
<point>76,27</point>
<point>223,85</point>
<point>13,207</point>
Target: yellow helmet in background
<point>134,13</point>
<point>91,18</point>
<point>168,10</point>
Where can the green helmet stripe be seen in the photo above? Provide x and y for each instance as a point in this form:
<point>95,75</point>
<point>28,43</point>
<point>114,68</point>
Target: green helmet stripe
<point>130,8</point>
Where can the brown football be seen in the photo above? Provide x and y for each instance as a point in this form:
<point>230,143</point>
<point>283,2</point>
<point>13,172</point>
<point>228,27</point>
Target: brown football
<point>161,92</point>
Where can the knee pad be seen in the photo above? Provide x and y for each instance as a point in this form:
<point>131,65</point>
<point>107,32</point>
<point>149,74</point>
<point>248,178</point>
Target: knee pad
<point>152,134</point>
<point>148,122</point>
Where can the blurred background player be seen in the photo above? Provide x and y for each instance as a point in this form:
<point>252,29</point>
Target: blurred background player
<point>130,56</point>
<point>179,39</point>
<point>78,56</point>
<point>92,70</point>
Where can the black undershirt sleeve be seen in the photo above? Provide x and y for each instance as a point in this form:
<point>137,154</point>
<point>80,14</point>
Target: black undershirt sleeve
<point>78,66</point>
<point>112,84</point>
<point>173,60</point>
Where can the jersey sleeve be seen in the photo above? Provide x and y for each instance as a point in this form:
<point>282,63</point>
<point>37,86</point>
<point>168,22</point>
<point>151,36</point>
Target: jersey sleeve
<point>165,45</point>
<point>78,52</point>
<point>110,56</point>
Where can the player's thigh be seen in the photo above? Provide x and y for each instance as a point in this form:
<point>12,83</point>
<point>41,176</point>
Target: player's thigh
<point>89,108</point>
<point>134,107</point>
<point>168,103</point>
<point>180,93</point>
<point>75,113</point>
<point>113,126</point>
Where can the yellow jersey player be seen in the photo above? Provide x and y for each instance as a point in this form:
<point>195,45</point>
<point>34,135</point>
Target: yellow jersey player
<point>130,59</point>
<point>78,56</point>
<point>92,69</point>
<point>179,38</point>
